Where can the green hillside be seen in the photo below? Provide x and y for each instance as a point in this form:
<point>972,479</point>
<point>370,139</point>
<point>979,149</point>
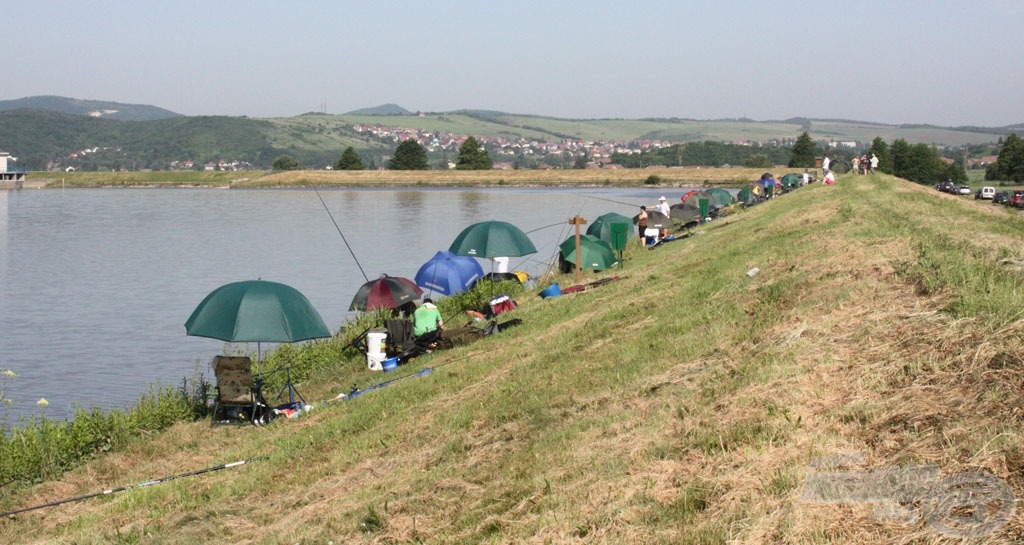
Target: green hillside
<point>45,139</point>
<point>100,108</point>
<point>871,324</point>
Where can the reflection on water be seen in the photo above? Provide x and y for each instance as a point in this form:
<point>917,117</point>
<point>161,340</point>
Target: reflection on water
<point>95,285</point>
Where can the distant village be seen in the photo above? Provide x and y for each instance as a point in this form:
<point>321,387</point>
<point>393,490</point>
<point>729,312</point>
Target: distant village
<point>507,152</point>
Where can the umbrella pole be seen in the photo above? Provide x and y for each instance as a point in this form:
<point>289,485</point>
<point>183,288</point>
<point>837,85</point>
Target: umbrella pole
<point>577,221</point>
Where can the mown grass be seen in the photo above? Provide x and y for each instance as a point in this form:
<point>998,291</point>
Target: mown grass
<point>684,403</point>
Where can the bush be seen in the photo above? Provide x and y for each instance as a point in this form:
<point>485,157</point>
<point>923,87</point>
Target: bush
<point>653,179</point>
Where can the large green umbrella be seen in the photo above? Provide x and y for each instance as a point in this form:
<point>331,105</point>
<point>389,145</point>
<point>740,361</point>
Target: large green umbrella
<point>601,227</point>
<point>256,311</point>
<point>791,181</point>
<point>595,253</point>
<point>492,239</point>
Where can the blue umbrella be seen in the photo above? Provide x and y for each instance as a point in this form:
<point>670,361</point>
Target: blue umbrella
<point>448,273</point>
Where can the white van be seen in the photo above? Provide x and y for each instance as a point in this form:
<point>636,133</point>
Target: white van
<point>985,193</point>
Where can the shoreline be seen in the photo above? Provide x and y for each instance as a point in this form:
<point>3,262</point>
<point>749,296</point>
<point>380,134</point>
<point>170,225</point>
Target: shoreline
<point>650,177</point>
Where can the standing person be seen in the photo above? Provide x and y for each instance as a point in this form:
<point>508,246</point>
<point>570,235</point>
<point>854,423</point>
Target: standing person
<point>856,165</point>
<point>501,263</point>
<point>824,165</point>
<point>641,223</point>
<point>663,206</point>
<point>427,324</point>
<point>874,163</point>
<point>807,178</point>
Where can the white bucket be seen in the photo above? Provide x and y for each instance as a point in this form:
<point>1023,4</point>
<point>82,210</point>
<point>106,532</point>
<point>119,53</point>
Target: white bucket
<point>375,362</point>
<point>375,342</point>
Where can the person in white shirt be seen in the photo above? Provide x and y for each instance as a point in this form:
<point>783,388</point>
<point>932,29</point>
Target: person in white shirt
<point>501,264</point>
<point>663,206</point>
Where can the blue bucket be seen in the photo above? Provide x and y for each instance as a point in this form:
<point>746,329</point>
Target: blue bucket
<point>390,364</point>
<point>551,291</point>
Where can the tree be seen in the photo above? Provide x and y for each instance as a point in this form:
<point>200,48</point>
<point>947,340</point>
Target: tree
<point>1011,159</point>
<point>349,160</point>
<point>804,153</point>
<point>409,155</point>
<point>581,161</point>
<point>758,160</point>
<point>918,163</point>
<point>472,156</point>
<point>881,150</point>
<point>900,152</point>
<point>285,162</point>
<point>955,171</point>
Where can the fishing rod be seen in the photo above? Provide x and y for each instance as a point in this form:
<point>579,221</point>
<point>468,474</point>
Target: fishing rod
<point>137,485</point>
<point>634,205</point>
<point>354,258</point>
<point>356,392</point>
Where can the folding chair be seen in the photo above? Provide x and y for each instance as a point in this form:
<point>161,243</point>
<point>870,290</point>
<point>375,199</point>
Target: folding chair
<point>237,401</point>
<point>400,335</point>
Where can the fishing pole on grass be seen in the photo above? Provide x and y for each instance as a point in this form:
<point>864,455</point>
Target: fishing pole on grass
<point>354,258</point>
<point>129,487</point>
<point>356,392</point>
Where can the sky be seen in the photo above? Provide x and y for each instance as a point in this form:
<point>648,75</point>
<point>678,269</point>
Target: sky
<point>940,62</point>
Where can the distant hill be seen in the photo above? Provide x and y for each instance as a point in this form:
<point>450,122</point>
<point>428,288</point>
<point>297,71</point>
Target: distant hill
<point>92,108</point>
<point>383,109</point>
<point>56,133</point>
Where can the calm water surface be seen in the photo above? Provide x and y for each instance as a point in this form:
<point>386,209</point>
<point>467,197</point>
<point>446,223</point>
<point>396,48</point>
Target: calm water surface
<point>96,284</point>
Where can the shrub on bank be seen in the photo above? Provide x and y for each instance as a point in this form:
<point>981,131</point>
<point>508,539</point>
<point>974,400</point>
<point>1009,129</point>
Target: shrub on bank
<point>40,448</point>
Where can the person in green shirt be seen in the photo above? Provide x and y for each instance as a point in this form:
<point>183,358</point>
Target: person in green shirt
<point>427,323</point>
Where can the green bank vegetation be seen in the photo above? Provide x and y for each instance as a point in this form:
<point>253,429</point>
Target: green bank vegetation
<point>684,403</point>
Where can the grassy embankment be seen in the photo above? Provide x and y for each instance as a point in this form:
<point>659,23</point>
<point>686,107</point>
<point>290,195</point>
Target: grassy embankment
<point>684,403</point>
<point>669,177</point>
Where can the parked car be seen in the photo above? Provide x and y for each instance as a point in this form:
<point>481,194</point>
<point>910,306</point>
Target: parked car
<point>963,190</point>
<point>1017,199</point>
<point>986,193</point>
<point>946,187</point>
<point>1003,197</point>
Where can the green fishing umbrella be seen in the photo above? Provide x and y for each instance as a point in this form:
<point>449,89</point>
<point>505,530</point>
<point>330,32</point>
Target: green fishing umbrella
<point>595,254</point>
<point>601,227</point>
<point>492,239</point>
<point>719,196</point>
<point>256,311</point>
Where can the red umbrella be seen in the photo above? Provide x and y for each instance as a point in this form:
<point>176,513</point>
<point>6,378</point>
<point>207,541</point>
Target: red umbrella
<point>385,292</point>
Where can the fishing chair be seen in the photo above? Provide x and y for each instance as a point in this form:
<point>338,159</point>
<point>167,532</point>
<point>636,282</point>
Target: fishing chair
<point>400,335</point>
<point>237,400</point>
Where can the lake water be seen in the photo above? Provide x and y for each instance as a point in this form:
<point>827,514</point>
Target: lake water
<point>96,284</point>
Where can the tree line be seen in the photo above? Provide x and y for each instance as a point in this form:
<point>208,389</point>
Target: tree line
<point>919,163</point>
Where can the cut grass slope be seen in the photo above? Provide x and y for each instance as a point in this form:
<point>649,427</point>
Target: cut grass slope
<point>684,403</point>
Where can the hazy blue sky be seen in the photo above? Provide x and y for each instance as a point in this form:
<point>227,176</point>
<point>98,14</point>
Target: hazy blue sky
<point>943,62</point>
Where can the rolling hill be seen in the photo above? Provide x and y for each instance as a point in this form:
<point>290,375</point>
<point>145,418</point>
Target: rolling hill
<point>49,133</point>
<point>94,108</point>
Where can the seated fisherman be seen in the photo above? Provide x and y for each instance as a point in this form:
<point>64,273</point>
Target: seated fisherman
<point>427,323</point>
